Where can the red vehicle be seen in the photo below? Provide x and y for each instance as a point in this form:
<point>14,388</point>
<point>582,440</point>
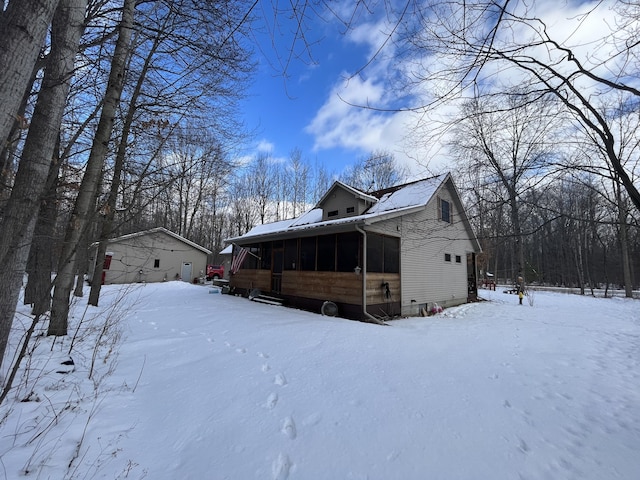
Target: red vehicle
<point>214,272</point>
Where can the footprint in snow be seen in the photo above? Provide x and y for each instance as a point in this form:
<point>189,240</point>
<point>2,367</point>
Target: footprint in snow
<point>289,428</point>
<point>265,367</point>
<point>262,355</point>
<point>241,350</point>
<point>522,446</point>
<point>272,400</point>
<point>280,467</point>
<point>312,419</point>
<point>280,380</point>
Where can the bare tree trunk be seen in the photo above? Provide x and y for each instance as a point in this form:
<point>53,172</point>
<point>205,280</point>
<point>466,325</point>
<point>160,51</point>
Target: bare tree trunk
<point>23,28</point>
<point>38,289</point>
<point>623,231</point>
<point>105,226</point>
<point>81,259</point>
<point>8,149</point>
<point>85,202</point>
<point>19,221</point>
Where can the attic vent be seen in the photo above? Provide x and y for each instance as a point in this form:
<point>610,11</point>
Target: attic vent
<point>332,213</point>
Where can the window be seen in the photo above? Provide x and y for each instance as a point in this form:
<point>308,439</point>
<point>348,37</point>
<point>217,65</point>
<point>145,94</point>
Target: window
<point>332,213</point>
<point>156,263</point>
<point>383,254</point>
<point>445,210</point>
<point>326,253</point>
<point>251,260</point>
<point>351,209</point>
<point>447,257</point>
<point>265,261</point>
<point>348,249</point>
<point>308,253</point>
<point>374,253</point>
<point>391,255</point>
<point>458,259</point>
<point>291,254</point>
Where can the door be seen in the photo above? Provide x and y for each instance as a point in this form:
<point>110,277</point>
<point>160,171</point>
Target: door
<point>185,273</point>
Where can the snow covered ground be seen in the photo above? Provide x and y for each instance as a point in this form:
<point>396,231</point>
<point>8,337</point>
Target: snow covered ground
<point>209,386</point>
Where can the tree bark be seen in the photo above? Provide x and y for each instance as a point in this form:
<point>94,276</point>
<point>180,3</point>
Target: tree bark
<point>85,202</point>
<point>19,220</point>
<point>623,232</point>
<point>23,28</point>
<point>38,289</point>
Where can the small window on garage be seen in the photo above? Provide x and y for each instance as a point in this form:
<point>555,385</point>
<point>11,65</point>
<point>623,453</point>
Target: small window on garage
<point>447,257</point>
<point>458,259</point>
<point>351,209</point>
<point>332,213</point>
<point>156,263</point>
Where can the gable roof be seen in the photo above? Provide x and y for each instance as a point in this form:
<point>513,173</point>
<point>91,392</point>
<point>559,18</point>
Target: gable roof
<point>159,230</point>
<point>354,191</point>
<point>388,203</point>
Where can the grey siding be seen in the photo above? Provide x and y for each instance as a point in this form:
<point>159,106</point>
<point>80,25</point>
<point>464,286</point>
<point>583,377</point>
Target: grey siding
<point>340,200</point>
<point>426,277</point>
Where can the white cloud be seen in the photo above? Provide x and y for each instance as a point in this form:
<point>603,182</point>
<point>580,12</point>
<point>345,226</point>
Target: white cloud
<point>420,139</point>
<point>265,146</point>
<point>342,122</point>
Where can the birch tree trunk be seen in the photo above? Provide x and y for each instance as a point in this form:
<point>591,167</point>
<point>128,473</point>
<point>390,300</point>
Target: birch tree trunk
<point>23,28</point>
<point>85,202</point>
<point>16,230</point>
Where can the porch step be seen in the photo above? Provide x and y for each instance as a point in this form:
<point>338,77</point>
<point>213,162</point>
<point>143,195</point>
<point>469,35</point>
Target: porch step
<point>268,300</point>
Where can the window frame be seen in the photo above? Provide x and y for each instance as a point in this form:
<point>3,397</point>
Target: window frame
<point>442,204</point>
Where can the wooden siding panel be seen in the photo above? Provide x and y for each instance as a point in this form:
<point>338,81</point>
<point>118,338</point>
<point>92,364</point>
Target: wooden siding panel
<point>248,279</point>
<point>344,287</point>
<point>376,292</point>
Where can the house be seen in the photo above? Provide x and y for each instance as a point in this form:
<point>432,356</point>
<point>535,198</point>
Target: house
<point>154,255</point>
<point>397,251</point>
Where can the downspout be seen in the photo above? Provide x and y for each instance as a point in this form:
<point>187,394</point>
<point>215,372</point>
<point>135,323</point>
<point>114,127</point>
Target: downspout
<point>368,317</point>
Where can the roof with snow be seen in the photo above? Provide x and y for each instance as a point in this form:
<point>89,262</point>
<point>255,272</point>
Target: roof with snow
<point>387,203</point>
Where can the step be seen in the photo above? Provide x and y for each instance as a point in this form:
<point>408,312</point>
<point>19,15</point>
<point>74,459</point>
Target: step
<point>267,301</point>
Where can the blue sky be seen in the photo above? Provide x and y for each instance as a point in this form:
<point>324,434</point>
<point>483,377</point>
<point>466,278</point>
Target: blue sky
<point>282,109</point>
<point>305,109</point>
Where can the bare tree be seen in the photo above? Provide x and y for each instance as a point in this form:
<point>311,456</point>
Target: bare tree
<point>298,171</point>
<point>377,171</point>
<point>502,44</point>
<point>20,214</point>
<point>85,202</point>
<point>512,149</point>
<point>261,174</point>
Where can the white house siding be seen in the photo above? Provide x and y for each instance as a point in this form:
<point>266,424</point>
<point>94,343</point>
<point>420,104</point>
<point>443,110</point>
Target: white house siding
<point>426,277</point>
<point>133,259</point>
